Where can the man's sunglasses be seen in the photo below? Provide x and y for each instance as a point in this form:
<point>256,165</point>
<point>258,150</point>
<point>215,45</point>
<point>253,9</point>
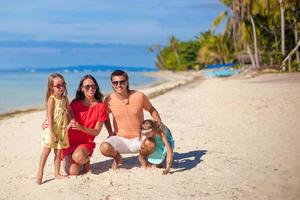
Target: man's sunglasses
<point>115,83</point>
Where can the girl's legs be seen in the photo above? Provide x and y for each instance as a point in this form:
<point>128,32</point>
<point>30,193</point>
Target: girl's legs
<point>57,162</point>
<point>147,147</point>
<point>43,158</point>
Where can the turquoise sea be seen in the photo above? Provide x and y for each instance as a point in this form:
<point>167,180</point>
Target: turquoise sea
<point>25,88</point>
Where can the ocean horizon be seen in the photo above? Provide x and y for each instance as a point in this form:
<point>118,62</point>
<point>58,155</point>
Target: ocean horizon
<point>24,88</point>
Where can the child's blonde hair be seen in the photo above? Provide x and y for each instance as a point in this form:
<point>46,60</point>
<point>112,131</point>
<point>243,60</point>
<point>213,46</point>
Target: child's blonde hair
<point>50,85</point>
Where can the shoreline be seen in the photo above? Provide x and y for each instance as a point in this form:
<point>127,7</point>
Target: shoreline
<point>168,81</point>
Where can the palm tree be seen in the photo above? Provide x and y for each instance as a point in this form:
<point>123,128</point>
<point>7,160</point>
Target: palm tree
<point>296,40</point>
<point>282,27</point>
<point>214,48</point>
<point>173,42</point>
<point>158,59</point>
<point>262,27</point>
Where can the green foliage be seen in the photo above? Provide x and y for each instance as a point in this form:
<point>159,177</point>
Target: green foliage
<point>210,48</point>
<point>187,55</point>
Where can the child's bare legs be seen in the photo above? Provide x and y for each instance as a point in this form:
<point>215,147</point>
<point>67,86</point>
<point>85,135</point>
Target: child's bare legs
<point>43,159</point>
<point>57,162</point>
<point>143,161</point>
<point>147,147</point>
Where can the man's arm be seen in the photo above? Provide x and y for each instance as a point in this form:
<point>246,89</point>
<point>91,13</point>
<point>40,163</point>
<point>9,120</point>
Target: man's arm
<point>155,115</point>
<point>108,127</point>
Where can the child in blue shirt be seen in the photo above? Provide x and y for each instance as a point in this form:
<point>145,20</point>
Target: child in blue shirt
<point>164,143</point>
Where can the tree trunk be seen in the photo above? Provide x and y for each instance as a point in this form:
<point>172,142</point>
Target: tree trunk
<point>290,54</point>
<point>177,57</point>
<point>282,28</point>
<point>255,43</point>
<point>296,40</point>
<point>290,65</point>
<point>162,60</point>
<point>251,56</point>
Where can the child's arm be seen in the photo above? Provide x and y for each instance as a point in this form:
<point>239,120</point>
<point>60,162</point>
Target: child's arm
<point>70,111</point>
<point>50,113</point>
<point>169,153</point>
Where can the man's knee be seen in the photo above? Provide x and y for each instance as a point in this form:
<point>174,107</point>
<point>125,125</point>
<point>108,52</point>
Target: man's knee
<point>106,149</point>
<point>148,146</point>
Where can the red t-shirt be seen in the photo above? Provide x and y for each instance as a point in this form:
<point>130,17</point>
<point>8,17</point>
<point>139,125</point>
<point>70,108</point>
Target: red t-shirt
<point>88,117</point>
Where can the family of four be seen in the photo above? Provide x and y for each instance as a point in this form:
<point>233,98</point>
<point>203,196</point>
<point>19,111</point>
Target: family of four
<point>70,128</point>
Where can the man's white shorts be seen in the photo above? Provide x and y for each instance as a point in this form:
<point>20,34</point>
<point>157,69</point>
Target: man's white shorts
<point>124,145</point>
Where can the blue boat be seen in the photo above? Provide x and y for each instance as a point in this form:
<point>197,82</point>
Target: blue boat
<point>220,70</point>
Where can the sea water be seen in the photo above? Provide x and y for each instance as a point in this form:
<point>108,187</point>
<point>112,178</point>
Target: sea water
<point>25,89</point>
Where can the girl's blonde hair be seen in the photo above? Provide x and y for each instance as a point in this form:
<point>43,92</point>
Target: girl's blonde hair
<point>49,89</point>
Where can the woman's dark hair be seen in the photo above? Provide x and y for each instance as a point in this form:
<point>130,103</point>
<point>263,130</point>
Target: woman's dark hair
<point>80,95</point>
<point>119,72</point>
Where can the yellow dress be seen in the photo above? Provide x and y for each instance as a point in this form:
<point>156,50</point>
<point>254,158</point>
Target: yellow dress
<point>60,123</point>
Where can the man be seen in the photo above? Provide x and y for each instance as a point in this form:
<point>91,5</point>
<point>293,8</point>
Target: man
<point>126,107</point>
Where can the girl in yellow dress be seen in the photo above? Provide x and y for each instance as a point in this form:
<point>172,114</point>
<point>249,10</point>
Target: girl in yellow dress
<point>58,115</point>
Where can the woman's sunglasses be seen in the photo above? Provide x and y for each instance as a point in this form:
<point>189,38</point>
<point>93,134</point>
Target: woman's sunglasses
<point>87,87</point>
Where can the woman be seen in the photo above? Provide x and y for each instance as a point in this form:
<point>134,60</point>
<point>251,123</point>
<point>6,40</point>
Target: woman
<point>89,115</point>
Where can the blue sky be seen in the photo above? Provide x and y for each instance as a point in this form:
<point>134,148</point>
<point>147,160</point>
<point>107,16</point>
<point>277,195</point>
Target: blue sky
<point>130,22</point>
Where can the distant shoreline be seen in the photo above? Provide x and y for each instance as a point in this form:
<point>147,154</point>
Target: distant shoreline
<point>13,113</point>
<point>167,81</point>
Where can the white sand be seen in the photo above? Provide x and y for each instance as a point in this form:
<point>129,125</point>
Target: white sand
<point>235,139</point>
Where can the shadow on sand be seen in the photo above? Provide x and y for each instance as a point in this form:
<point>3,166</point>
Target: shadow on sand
<point>103,166</point>
<point>182,162</point>
<point>186,161</point>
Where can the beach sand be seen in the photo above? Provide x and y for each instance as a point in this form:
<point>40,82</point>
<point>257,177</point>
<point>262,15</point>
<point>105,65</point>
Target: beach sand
<point>234,139</point>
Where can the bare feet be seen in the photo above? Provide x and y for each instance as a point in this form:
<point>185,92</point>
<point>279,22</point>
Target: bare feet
<point>117,161</point>
<point>39,178</point>
<point>86,168</point>
<point>59,176</point>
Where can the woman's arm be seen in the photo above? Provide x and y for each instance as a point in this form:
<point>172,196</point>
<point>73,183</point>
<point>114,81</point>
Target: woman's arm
<point>169,153</point>
<point>90,131</point>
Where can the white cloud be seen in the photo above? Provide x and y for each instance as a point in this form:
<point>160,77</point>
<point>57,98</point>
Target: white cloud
<point>131,21</point>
